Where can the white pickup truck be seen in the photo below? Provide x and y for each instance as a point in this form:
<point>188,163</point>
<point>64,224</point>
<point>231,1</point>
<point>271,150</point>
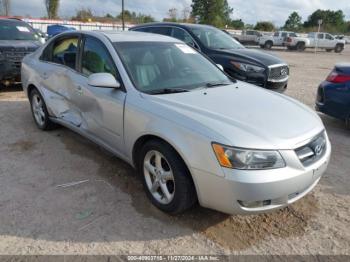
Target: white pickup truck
<point>247,37</point>
<point>277,39</point>
<point>320,40</point>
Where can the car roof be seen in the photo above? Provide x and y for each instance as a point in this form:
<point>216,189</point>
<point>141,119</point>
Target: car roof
<point>125,36</point>
<point>182,25</point>
<point>12,20</point>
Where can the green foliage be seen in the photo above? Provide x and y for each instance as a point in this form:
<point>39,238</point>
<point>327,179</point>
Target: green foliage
<point>52,7</point>
<point>264,26</point>
<point>237,24</point>
<point>212,12</point>
<point>293,23</point>
<point>134,18</point>
<point>332,21</point>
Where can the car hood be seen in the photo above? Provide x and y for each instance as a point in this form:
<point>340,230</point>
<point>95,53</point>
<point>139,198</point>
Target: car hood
<point>257,56</point>
<point>242,115</point>
<point>14,44</point>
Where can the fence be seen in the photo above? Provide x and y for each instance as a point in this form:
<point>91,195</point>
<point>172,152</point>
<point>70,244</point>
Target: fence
<point>42,25</point>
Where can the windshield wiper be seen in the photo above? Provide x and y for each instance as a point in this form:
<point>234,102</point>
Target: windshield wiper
<point>167,91</point>
<point>216,84</point>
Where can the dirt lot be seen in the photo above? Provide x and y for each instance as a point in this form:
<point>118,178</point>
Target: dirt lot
<point>109,213</point>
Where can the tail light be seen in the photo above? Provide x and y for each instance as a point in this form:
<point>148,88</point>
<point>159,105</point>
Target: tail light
<point>336,77</point>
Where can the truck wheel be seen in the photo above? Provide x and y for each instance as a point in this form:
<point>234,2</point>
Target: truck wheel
<point>166,179</point>
<point>339,48</point>
<point>301,46</point>
<point>268,45</point>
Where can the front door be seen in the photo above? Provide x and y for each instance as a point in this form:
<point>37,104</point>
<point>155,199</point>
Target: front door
<point>102,109</point>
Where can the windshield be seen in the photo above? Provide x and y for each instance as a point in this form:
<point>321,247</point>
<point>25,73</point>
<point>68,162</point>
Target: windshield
<point>215,39</point>
<point>12,30</point>
<point>155,66</point>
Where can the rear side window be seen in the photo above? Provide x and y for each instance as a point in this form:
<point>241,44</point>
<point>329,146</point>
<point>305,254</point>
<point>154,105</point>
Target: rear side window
<point>96,58</point>
<point>276,34</point>
<point>160,30</point>
<point>284,34</point>
<point>65,52</point>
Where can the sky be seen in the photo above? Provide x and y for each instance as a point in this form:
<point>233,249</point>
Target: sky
<point>250,11</point>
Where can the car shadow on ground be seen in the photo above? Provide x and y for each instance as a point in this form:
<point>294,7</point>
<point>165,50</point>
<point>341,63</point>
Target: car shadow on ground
<point>109,203</point>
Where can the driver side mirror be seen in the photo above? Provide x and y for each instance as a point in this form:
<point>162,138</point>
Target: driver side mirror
<point>104,80</point>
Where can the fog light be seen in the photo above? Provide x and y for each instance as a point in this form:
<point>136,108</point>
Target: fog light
<point>254,204</point>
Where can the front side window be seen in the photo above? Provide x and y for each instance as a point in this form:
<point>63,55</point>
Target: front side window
<point>320,36</point>
<point>160,30</point>
<point>284,34</point>
<point>154,66</point>
<point>329,37</point>
<point>276,34</point>
<point>14,30</point>
<point>96,58</point>
<point>215,39</point>
<point>183,36</point>
<point>65,52</point>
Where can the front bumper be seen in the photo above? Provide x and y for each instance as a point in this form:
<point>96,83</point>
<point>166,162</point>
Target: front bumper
<point>277,86</point>
<point>9,71</point>
<point>277,188</point>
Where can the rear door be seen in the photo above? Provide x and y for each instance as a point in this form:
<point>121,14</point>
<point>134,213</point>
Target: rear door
<point>102,109</point>
<point>58,65</point>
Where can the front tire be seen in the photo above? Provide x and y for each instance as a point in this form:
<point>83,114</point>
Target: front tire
<point>39,111</point>
<point>166,179</point>
<point>268,45</point>
<point>339,48</point>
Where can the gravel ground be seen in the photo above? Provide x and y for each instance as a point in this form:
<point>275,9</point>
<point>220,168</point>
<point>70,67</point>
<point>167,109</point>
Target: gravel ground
<point>109,213</point>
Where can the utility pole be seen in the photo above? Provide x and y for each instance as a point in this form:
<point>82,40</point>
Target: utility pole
<point>123,22</point>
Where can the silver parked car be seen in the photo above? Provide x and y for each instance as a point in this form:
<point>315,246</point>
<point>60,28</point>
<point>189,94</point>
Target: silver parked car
<point>193,133</point>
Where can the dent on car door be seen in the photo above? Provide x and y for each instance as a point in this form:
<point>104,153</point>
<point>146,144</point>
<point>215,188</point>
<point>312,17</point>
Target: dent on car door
<point>57,79</point>
<point>102,109</point>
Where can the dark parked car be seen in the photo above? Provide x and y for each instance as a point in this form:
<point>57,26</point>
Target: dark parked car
<point>17,39</point>
<point>252,66</point>
<point>333,96</point>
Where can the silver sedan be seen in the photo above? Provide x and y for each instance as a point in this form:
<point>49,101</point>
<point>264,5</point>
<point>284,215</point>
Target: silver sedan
<point>193,133</point>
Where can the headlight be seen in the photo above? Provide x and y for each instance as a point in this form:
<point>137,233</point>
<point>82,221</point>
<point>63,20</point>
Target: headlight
<point>247,159</point>
<point>248,67</point>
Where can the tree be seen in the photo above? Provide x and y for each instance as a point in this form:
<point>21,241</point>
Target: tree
<point>5,7</point>
<point>186,12</point>
<point>172,13</point>
<point>52,7</point>
<point>264,26</point>
<point>294,22</point>
<point>237,24</point>
<point>84,15</point>
<point>212,12</point>
<point>333,21</point>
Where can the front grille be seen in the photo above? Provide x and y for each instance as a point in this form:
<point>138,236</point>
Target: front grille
<point>14,56</point>
<point>277,73</point>
<point>312,151</point>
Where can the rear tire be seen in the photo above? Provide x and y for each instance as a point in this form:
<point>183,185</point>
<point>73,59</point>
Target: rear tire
<point>166,179</point>
<point>39,111</point>
<point>300,46</point>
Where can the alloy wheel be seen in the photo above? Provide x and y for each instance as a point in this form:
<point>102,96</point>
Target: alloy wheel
<point>38,110</point>
<point>159,177</point>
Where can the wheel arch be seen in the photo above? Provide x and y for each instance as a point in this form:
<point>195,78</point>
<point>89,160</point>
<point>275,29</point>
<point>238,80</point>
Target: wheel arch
<point>142,140</point>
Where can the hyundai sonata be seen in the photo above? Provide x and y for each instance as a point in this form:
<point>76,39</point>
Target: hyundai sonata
<point>193,133</point>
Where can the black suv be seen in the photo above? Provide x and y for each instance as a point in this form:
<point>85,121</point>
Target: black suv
<point>17,39</point>
<point>252,66</point>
